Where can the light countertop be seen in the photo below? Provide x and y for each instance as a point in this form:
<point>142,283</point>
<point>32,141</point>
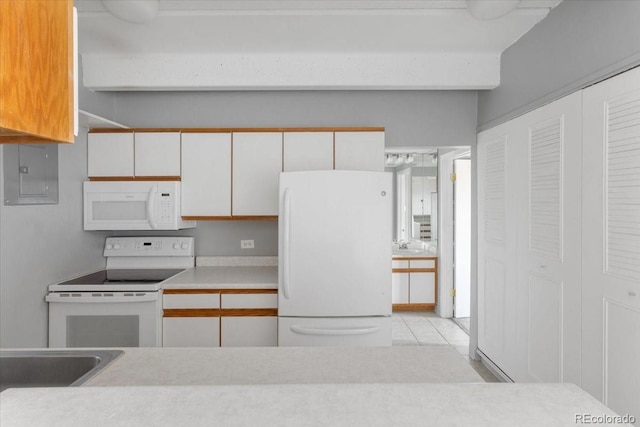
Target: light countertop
<point>225,277</point>
<point>302,405</point>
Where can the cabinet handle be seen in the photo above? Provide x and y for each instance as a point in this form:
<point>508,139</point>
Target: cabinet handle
<point>286,244</point>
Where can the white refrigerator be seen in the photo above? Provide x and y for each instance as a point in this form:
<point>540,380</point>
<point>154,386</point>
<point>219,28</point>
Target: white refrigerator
<point>334,258</point>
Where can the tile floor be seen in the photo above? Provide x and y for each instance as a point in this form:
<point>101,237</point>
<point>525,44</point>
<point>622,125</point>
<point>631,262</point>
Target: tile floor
<point>427,328</point>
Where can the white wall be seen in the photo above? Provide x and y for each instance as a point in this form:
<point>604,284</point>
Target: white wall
<point>40,245</point>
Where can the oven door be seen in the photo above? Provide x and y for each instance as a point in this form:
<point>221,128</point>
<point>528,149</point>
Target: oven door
<point>104,319</point>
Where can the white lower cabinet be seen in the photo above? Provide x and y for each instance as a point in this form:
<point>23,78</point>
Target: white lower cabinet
<point>249,319</point>
<point>191,332</point>
<point>413,283</point>
<point>249,331</point>
<point>220,317</point>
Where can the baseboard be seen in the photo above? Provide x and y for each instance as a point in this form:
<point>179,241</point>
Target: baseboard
<point>493,368</point>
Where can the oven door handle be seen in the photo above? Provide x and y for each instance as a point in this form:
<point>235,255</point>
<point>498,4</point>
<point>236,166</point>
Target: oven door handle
<point>70,298</point>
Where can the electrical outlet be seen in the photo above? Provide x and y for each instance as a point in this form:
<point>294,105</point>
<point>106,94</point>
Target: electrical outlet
<point>246,244</point>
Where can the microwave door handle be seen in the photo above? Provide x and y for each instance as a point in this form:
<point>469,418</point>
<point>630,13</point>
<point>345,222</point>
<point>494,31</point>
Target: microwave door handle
<point>151,204</point>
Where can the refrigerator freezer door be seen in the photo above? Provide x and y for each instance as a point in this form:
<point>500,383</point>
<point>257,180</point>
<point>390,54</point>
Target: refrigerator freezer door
<point>334,244</point>
<point>334,331</point>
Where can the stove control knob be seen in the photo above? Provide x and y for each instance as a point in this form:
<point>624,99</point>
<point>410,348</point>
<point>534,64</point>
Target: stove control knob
<point>109,246</point>
<point>116,246</point>
<point>176,246</point>
<point>184,245</point>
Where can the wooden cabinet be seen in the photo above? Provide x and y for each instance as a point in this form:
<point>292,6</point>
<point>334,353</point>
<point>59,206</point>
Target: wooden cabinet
<point>36,71</point>
<point>191,318</point>
<point>249,318</point>
<point>257,163</point>
<point>127,154</point>
<point>359,151</point>
<point>206,174</point>
<point>220,317</point>
<point>414,283</point>
<point>307,151</point>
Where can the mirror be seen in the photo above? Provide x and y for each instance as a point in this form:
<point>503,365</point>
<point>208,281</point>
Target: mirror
<point>416,201</point>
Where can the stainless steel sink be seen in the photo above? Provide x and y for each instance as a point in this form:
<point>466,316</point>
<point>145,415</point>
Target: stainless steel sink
<point>52,368</point>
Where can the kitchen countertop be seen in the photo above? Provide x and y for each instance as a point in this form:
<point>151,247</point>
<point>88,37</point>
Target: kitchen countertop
<point>302,405</point>
<point>225,277</point>
<point>285,365</point>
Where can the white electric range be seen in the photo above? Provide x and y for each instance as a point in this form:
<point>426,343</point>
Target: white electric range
<point>120,306</point>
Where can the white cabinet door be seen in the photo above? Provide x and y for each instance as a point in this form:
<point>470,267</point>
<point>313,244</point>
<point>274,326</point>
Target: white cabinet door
<point>191,332</point>
<point>400,288</point>
<point>549,244</point>
<point>110,154</point>
<point>257,163</point>
<point>157,153</point>
<point>498,165</point>
<point>249,331</point>
<point>611,242</point>
<point>422,288</point>
<point>308,151</point>
<point>206,174</point>
<point>359,151</point>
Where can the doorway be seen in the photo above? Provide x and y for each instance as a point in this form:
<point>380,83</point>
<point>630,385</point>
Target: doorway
<point>462,241</point>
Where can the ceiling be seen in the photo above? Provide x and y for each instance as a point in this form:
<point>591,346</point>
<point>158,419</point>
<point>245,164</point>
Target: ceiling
<point>277,44</point>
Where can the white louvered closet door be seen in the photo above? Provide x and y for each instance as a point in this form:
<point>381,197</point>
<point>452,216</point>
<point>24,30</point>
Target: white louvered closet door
<point>611,237</point>
<point>497,218</point>
<point>549,245</point>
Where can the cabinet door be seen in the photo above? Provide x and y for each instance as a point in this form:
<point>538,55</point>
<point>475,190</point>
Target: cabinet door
<point>400,288</point>
<point>360,151</point>
<point>110,154</point>
<point>422,288</point>
<point>191,332</point>
<point>308,151</point>
<point>611,242</point>
<point>257,163</point>
<point>206,174</point>
<point>157,154</point>
<point>249,331</point>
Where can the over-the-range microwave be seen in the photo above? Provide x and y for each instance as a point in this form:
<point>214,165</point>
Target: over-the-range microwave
<point>133,205</point>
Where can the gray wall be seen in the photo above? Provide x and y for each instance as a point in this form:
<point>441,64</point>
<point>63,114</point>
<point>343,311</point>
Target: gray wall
<point>40,245</point>
<point>579,43</point>
<point>411,119</point>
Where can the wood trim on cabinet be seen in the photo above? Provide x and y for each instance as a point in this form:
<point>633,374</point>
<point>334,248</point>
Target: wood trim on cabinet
<point>231,218</point>
<point>414,307</point>
<point>240,312</point>
<point>191,312</point>
<point>248,291</point>
<point>231,130</point>
<point>135,178</point>
<point>190,291</point>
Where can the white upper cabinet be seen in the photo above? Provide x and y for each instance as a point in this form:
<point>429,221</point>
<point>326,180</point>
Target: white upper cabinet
<point>129,154</point>
<point>110,154</point>
<point>206,174</point>
<point>360,151</point>
<point>308,151</point>
<point>157,154</point>
<point>257,163</point>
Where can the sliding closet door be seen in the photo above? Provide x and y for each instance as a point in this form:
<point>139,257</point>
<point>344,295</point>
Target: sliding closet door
<point>498,164</point>
<point>549,244</point>
<point>611,237</point>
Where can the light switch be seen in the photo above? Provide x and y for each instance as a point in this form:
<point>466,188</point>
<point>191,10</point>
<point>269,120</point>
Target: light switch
<point>246,244</point>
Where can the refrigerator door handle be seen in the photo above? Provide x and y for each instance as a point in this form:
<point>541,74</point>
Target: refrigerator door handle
<point>286,242</point>
<point>363,330</point>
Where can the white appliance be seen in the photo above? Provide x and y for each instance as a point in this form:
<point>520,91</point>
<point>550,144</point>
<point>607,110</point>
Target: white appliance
<point>120,306</point>
<point>334,258</point>
<point>133,205</point>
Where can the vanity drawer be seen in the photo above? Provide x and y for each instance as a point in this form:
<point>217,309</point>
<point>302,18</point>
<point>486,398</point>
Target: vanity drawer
<point>399,263</point>
<point>422,263</point>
